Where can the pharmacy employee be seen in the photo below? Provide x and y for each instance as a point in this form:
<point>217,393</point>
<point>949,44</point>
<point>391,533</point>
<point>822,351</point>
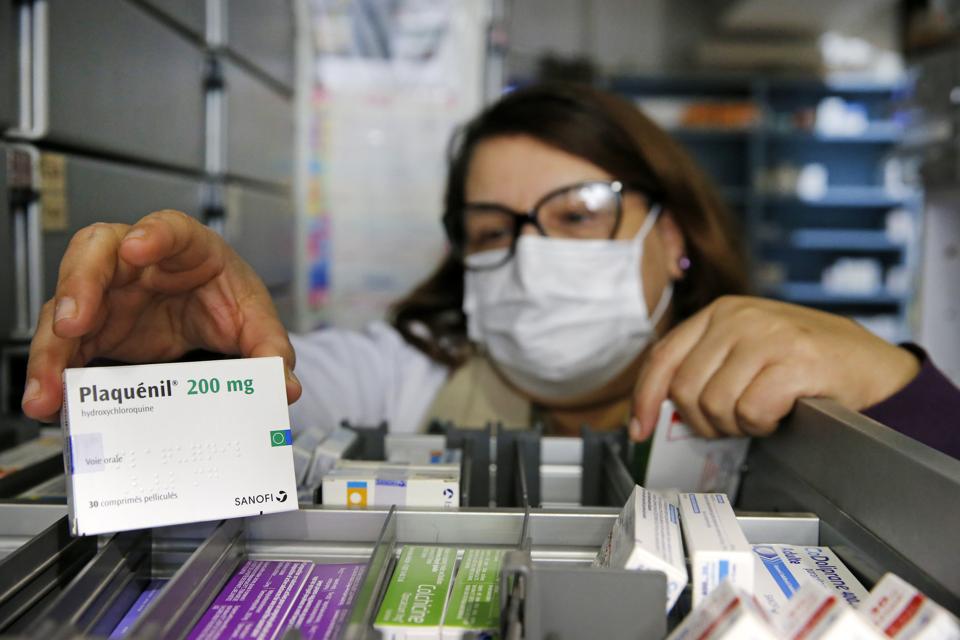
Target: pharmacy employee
<point>593,272</point>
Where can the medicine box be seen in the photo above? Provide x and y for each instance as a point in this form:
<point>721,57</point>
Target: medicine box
<point>416,597</point>
<point>716,546</point>
<point>367,484</point>
<point>900,610</point>
<point>163,444</point>
<point>646,535</point>
<point>474,607</point>
<point>781,569</point>
<point>728,613</point>
<point>815,613</point>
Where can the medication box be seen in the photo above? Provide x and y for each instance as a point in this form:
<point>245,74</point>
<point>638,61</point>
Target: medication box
<point>681,459</point>
<point>646,535</point>
<point>716,546</point>
<point>417,594</point>
<point>901,611</point>
<point>473,610</point>
<point>163,444</point>
<point>814,613</point>
<point>364,484</point>
<point>781,569</point>
<point>728,613</point>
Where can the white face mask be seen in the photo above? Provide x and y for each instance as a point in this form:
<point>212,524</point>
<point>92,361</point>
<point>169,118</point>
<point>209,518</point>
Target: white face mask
<point>563,317</point>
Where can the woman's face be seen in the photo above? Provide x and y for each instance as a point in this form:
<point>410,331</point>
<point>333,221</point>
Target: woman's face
<point>517,171</point>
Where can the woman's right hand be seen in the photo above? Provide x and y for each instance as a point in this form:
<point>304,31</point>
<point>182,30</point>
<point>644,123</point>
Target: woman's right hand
<point>149,293</point>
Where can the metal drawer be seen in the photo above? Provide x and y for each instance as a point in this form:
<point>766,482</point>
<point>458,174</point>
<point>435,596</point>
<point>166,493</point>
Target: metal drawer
<point>153,91</point>
<point>101,191</point>
<point>259,128</point>
<point>188,14</point>
<point>262,34</point>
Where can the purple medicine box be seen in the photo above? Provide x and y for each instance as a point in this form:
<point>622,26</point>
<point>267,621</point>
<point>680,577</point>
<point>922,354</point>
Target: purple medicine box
<point>324,603</point>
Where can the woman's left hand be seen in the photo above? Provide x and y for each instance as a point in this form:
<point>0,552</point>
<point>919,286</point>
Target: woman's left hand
<point>737,367</point>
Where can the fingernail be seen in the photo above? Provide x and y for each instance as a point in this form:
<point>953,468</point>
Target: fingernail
<point>135,234</point>
<point>31,392</point>
<point>66,309</point>
<point>635,428</point>
<point>291,376</point>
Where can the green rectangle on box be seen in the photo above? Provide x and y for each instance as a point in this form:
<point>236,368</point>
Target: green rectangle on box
<point>475,600</point>
<point>418,589</point>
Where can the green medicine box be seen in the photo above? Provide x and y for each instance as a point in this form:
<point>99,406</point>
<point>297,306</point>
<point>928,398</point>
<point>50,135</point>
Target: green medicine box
<point>417,594</point>
<point>474,607</point>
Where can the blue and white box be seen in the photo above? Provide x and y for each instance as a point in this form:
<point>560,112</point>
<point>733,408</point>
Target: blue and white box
<point>716,546</point>
<point>782,569</point>
<point>646,536</point>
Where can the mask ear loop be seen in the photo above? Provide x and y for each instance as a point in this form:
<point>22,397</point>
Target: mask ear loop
<point>667,294</point>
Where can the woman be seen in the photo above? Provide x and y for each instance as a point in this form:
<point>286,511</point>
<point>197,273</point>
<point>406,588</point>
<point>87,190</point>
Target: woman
<point>593,273</point>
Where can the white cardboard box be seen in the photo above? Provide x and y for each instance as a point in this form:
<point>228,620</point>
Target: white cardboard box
<point>646,535</point>
<point>328,453</point>
<point>781,569</point>
<point>361,485</point>
<point>900,610</point>
<point>681,459</point>
<point>816,613</point>
<point>728,613</point>
<point>162,444</point>
<point>716,546</point>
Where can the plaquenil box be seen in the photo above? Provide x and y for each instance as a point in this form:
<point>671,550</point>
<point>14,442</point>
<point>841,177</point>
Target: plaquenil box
<point>815,613</point>
<point>781,569</point>
<point>681,459</point>
<point>728,613</point>
<point>901,611</point>
<point>646,536</point>
<point>716,546</point>
<point>163,444</point>
<point>417,595</point>
<point>361,484</point>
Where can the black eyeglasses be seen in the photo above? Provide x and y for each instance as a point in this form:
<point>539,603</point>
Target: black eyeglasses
<point>586,211</point>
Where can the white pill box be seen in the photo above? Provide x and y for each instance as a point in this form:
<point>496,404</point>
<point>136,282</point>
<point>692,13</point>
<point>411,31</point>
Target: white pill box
<point>646,536</point>
<point>716,546</point>
<point>328,453</point>
<point>358,485</point>
<point>728,613</point>
<point>163,444</point>
<point>815,613</point>
<point>900,610</point>
<point>781,569</point>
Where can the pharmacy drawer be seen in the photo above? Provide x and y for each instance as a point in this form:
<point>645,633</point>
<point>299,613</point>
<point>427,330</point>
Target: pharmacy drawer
<point>260,226</point>
<point>101,191</point>
<point>262,33</point>
<point>146,102</point>
<point>188,14</point>
<point>7,251</point>
<point>259,128</point>
<point>8,62</point>
<point>21,522</point>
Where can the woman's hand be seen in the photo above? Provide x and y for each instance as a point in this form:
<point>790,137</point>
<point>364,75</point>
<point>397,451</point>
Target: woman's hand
<point>737,367</point>
<point>149,293</point>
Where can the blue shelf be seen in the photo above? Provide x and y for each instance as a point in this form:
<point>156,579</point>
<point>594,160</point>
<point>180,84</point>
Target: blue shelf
<point>874,134</point>
<point>814,293</point>
<point>843,240</point>
<point>860,197</point>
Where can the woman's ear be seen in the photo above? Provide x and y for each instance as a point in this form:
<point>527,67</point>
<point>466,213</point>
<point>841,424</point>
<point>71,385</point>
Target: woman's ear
<point>674,246</point>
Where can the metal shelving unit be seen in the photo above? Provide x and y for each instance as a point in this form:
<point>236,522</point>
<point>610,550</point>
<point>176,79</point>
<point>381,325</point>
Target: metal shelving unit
<point>847,220</point>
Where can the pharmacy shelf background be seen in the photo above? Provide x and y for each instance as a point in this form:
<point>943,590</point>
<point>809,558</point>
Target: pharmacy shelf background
<point>811,168</point>
<point>815,482</point>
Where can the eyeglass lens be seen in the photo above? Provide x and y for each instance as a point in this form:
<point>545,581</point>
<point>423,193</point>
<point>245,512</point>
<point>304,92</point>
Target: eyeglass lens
<point>588,211</point>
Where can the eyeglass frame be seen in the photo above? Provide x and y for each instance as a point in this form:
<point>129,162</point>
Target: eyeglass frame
<point>531,216</point>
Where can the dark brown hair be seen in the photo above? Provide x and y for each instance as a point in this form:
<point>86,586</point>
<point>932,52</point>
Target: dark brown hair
<point>614,135</point>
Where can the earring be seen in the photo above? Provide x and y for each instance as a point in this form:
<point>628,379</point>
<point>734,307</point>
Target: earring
<point>683,263</point>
